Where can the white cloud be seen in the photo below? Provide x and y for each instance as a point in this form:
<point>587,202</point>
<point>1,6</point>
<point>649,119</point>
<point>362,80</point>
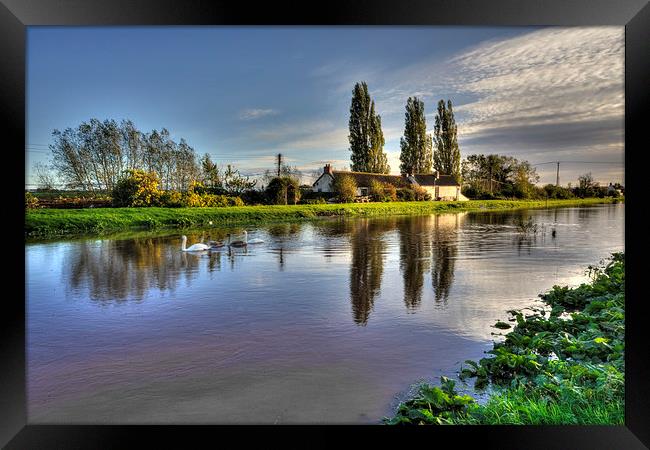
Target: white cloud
<point>550,76</point>
<point>251,114</point>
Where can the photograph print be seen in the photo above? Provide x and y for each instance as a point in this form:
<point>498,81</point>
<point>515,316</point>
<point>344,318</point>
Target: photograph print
<point>388,225</point>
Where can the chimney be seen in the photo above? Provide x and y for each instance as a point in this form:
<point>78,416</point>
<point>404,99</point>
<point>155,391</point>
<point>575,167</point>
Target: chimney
<point>328,169</point>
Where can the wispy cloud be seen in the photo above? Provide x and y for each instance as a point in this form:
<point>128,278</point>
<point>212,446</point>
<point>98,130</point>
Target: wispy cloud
<point>256,113</point>
<point>554,76</point>
<point>304,135</point>
<point>555,93</point>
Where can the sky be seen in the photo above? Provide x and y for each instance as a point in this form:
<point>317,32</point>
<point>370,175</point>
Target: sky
<point>244,94</point>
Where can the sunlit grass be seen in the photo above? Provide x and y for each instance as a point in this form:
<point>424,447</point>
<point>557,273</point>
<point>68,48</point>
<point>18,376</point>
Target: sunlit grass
<point>59,222</point>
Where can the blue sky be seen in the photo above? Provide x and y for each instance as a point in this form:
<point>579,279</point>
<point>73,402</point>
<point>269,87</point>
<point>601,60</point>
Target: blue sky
<point>243,94</point>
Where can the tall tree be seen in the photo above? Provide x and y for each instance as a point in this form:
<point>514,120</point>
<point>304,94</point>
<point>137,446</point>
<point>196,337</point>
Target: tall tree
<point>366,137</point>
<point>416,145</point>
<point>211,175</point>
<point>446,158</point>
<point>377,159</point>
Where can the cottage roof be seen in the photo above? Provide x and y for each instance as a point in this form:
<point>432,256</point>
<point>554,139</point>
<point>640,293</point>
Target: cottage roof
<point>425,179</point>
<point>446,180</point>
<point>363,178</point>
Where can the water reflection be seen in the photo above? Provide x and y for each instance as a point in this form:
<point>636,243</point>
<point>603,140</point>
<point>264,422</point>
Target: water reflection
<point>121,269</point>
<point>129,269</point>
<point>366,266</point>
<point>428,243</point>
<point>414,256</point>
<point>445,250</point>
<point>284,235</point>
<point>423,246</point>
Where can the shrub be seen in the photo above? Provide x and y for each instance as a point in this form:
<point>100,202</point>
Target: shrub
<point>421,194</point>
<point>376,190</point>
<point>172,199</point>
<point>235,201</point>
<point>30,201</point>
<point>471,191</point>
<point>283,191</point>
<point>405,195</point>
<point>390,193</point>
<point>345,187</point>
<point>560,192</point>
<point>137,188</point>
<point>253,197</point>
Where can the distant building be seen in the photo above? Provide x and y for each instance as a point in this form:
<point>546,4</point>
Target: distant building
<point>440,187</point>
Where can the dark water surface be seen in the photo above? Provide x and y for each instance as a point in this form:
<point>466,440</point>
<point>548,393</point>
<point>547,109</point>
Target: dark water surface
<point>324,322</point>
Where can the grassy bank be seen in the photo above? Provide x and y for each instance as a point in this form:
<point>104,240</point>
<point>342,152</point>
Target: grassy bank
<point>61,222</point>
<point>563,364</point>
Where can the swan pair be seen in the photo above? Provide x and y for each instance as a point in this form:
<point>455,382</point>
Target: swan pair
<point>218,244</point>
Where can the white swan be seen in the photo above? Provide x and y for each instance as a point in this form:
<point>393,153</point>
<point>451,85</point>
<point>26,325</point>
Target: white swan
<point>192,248</point>
<point>252,241</point>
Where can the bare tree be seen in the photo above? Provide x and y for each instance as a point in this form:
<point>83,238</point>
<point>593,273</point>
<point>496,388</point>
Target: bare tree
<point>45,177</point>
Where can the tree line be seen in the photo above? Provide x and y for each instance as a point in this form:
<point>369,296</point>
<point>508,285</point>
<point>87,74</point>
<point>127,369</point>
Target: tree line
<point>419,152</point>
<point>499,176</point>
<point>96,155</point>
<point>482,176</point>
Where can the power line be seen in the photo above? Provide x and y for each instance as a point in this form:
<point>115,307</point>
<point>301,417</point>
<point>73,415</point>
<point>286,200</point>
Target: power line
<point>578,162</point>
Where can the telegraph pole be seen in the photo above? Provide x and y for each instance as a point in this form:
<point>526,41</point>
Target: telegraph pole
<point>557,178</point>
<point>279,163</point>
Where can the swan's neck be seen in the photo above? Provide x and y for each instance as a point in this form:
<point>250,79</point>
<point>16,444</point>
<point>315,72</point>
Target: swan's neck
<point>245,237</point>
<point>183,241</point>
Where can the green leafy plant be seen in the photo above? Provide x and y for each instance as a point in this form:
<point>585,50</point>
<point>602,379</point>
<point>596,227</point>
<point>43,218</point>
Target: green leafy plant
<point>563,366</point>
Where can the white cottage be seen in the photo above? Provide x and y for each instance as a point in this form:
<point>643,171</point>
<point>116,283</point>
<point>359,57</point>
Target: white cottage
<point>440,187</point>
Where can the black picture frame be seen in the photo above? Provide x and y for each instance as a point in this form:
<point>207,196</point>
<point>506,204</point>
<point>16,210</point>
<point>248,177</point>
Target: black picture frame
<point>16,15</point>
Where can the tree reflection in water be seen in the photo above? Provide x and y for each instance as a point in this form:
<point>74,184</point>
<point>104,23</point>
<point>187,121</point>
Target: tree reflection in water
<point>428,243</point>
<point>119,270</point>
<point>125,269</point>
<point>414,256</point>
<point>366,266</point>
<point>115,271</point>
<point>445,250</point>
<point>284,234</point>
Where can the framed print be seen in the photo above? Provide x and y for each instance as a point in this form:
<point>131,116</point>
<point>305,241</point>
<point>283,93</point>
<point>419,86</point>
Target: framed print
<point>357,219</point>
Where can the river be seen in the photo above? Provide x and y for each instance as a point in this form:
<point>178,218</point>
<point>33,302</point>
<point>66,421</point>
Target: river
<point>325,322</point>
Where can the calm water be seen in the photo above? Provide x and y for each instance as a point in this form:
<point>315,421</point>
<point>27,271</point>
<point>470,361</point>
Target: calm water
<point>326,322</point>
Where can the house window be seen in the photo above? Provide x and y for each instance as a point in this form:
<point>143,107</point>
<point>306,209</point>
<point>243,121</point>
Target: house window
<point>364,191</point>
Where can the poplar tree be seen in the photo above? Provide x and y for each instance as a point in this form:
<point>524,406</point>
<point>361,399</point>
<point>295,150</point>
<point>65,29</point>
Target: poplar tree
<point>377,161</point>
<point>366,136</point>
<point>446,158</point>
<point>416,145</point>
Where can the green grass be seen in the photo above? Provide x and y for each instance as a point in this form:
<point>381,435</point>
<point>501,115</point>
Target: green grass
<point>567,368</point>
<point>65,222</point>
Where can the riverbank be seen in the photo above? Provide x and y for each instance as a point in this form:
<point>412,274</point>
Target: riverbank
<point>65,222</point>
<point>561,365</point>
